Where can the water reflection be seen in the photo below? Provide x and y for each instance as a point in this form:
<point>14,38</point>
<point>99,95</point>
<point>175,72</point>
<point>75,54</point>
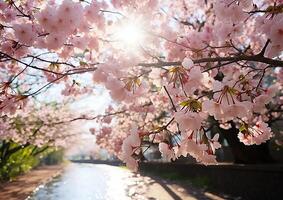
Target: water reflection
<point>86,182</point>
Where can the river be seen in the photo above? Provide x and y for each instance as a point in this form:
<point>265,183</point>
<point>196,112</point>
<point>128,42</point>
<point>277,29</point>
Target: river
<point>86,182</point>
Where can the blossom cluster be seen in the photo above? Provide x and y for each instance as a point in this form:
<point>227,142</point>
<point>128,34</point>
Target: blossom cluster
<point>199,63</point>
<point>39,126</point>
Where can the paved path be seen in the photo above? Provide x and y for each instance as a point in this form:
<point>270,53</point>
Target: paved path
<point>24,185</point>
<point>154,188</point>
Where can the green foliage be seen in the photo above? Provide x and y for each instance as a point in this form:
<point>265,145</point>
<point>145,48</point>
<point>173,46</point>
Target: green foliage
<point>53,158</point>
<point>17,163</point>
<point>17,159</point>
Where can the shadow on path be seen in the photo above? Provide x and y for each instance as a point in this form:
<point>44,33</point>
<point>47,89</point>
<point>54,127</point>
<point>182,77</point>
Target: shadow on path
<point>170,191</point>
<point>177,190</point>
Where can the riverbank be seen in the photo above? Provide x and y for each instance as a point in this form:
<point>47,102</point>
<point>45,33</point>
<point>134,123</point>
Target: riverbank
<point>24,185</point>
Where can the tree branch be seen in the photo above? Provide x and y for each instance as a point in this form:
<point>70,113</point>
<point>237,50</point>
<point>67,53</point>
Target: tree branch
<point>253,58</point>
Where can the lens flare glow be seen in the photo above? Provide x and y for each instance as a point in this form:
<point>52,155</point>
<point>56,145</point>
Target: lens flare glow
<point>131,34</point>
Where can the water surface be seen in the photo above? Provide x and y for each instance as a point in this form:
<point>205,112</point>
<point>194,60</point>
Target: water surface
<point>86,182</point>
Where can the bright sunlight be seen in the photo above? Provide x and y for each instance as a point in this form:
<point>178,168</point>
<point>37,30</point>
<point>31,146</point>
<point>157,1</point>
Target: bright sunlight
<point>131,34</point>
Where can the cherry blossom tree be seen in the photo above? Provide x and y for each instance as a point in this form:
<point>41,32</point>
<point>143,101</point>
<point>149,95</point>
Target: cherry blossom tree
<point>31,134</point>
<point>180,72</point>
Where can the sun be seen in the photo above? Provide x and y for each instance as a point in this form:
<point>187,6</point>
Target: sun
<point>131,34</point>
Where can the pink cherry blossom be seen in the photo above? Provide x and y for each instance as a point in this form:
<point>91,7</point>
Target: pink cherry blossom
<point>55,41</point>
<point>130,144</point>
<point>218,58</point>
<point>25,33</point>
<point>257,134</point>
<point>214,142</point>
<point>166,151</point>
<point>189,120</point>
<point>187,63</point>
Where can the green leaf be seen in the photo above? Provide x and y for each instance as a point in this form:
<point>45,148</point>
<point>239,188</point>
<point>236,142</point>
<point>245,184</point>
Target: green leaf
<point>242,128</point>
<point>185,103</point>
<point>83,63</point>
